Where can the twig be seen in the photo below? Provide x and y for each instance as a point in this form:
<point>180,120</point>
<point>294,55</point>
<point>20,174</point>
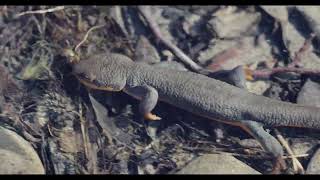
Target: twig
<point>43,11</point>
<point>49,130</point>
<point>297,167</point>
<point>266,73</point>
<point>304,48</point>
<point>86,36</point>
<point>83,132</point>
<point>29,137</point>
<point>144,10</point>
<point>297,156</point>
<point>37,24</point>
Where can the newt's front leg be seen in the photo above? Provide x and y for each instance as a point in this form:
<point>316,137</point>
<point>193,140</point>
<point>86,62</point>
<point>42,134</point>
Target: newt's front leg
<point>148,97</point>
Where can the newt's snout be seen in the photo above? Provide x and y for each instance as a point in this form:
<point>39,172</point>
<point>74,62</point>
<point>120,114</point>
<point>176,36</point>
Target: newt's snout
<point>87,75</point>
<point>84,74</point>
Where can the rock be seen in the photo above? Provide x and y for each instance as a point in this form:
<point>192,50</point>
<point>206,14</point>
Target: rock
<point>174,12</point>
<point>257,87</point>
<point>232,22</point>
<point>162,22</point>
<point>314,164</point>
<point>17,156</point>
<point>217,164</point>
<point>292,39</point>
<point>13,163</point>
<point>249,143</point>
<point>310,60</point>
<point>92,20</point>
<point>133,24</point>
<point>198,9</point>
<point>116,14</point>
<point>303,145</point>
<point>191,25</point>
<point>203,9</point>
<point>147,169</point>
<point>145,51</point>
<point>309,94</point>
<point>168,55</point>
<point>280,13</point>
<point>311,15</point>
<point>233,53</point>
<point>108,124</point>
<point>181,159</point>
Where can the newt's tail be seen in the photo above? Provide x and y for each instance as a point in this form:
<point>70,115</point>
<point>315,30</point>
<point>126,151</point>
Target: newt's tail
<point>292,115</point>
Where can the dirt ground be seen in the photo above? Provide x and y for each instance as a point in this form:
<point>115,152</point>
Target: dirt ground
<point>76,130</point>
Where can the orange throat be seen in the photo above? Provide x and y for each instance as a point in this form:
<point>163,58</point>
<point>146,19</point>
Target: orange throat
<point>91,85</point>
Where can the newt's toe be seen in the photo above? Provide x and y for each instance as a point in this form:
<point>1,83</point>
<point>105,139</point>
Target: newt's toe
<point>249,74</point>
<point>151,117</point>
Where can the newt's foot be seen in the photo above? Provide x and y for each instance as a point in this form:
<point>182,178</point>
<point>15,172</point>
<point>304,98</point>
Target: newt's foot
<point>151,117</point>
<point>278,166</point>
<point>248,72</point>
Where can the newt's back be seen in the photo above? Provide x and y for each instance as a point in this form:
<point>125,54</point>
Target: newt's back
<point>215,99</point>
<point>197,93</point>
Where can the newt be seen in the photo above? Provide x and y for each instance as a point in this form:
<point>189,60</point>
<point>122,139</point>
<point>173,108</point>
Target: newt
<point>198,94</point>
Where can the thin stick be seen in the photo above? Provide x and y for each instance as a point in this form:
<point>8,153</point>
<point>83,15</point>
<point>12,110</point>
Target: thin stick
<point>144,10</point>
<point>86,36</point>
<point>297,167</point>
<point>297,156</point>
<point>297,55</point>
<point>83,131</point>
<point>266,73</point>
<point>43,11</point>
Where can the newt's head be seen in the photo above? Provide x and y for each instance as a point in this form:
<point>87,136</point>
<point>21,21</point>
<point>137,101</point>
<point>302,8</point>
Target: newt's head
<point>104,71</point>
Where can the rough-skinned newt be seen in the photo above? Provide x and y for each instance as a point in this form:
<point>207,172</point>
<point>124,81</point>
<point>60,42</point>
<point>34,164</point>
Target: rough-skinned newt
<point>197,94</point>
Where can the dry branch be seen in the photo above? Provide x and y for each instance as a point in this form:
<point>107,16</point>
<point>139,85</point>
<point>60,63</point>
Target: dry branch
<point>42,11</point>
<point>145,11</point>
<point>86,36</point>
<point>267,73</point>
<point>297,167</point>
